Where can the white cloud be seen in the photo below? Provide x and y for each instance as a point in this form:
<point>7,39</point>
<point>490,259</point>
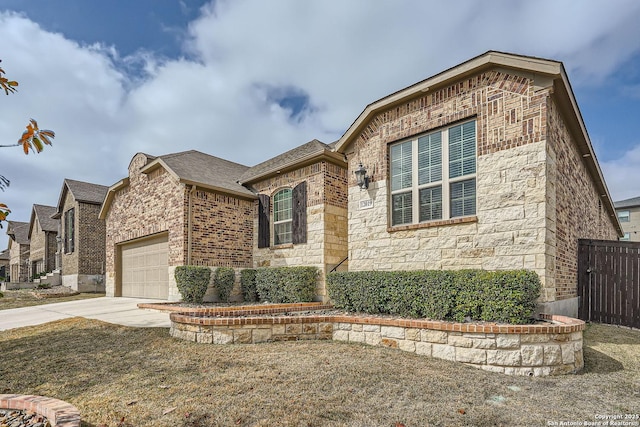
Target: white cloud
<point>344,55</point>
<point>623,174</point>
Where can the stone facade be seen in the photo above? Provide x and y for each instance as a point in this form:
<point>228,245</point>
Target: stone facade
<point>326,213</point>
<point>529,350</point>
<point>534,194</point>
<point>42,250</point>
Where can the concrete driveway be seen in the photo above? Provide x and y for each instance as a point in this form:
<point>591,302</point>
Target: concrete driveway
<point>120,311</point>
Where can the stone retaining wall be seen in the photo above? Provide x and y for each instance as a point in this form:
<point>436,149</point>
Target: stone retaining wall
<point>552,348</point>
<point>58,412</point>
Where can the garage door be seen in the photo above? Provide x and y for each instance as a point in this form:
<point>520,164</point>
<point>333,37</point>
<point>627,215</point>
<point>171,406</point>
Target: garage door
<point>145,269</point>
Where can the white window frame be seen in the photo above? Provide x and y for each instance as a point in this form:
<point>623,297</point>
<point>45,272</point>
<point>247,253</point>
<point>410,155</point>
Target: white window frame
<point>626,237</point>
<point>624,214</point>
<point>283,221</point>
<point>444,183</point>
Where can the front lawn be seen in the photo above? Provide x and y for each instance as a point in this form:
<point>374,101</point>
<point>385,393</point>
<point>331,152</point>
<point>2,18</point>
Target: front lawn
<point>23,298</point>
<point>120,376</point>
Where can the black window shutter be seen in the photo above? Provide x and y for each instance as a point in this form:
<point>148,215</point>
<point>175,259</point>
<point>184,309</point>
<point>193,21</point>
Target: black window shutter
<point>263,221</point>
<point>299,219</point>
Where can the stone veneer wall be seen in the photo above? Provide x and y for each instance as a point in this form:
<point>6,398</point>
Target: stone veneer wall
<point>326,220</point>
<point>530,350</point>
<point>534,195</point>
<point>508,231</point>
<point>574,203</point>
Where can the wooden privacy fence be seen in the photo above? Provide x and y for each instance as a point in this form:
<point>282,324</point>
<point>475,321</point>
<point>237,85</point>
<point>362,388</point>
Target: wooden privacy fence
<point>609,282</point>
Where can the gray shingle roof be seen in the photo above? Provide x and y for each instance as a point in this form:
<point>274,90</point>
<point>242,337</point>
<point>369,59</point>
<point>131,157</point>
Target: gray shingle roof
<point>44,214</point>
<point>627,203</point>
<point>284,160</point>
<point>4,255</point>
<point>197,167</point>
<point>87,192</point>
<point>19,232</point>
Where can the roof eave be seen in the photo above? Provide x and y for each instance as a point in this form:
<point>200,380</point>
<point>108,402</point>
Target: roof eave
<point>488,60</point>
<point>331,156</point>
<point>109,197</point>
<point>219,189</point>
<point>586,150</point>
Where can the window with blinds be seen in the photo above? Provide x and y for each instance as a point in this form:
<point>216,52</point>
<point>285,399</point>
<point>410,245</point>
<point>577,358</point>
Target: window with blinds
<point>433,177</point>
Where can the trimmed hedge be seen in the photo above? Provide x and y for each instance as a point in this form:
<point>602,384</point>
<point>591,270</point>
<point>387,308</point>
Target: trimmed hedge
<point>492,296</point>
<point>286,284</point>
<point>224,279</point>
<point>248,285</point>
<point>192,282</point>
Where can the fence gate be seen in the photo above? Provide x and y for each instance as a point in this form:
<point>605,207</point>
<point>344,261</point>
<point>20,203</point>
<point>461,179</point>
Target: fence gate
<point>609,282</point>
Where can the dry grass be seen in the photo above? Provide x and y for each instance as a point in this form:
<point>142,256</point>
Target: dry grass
<point>119,376</point>
<point>24,298</point>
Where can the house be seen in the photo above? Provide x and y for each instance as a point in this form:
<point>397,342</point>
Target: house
<point>42,236</point>
<point>485,165</point>
<point>18,233</point>
<point>628,211</point>
<point>302,210</point>
<point>184,208</point>
<point>80,252</point>
<point>4,265</point>
<point>196,209</point>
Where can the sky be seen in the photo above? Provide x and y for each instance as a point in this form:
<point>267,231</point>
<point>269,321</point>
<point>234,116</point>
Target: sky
<point>246,80</point>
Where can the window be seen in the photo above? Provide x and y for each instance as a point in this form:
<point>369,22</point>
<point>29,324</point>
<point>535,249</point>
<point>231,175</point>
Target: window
<point>433,177</point>
<point>289,217</point>
<point>623,216</point>
<point>626,236</point>
<point>282,217</point>
<point>69,231</point>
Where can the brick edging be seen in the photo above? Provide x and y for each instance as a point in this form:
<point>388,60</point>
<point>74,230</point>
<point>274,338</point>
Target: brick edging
<point>227,316</point>
<point>58,412</point>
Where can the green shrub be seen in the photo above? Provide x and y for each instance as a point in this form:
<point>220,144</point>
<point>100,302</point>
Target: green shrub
<point>1,295</point>
<point>224,279</point>
<point>286,284</point>
<point>497,296</point>
<point>248,285</point>
<point>43,286</point>
<point>192,282</point>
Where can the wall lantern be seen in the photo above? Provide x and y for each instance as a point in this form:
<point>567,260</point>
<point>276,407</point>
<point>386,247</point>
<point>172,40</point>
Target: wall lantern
<point>361,177</point>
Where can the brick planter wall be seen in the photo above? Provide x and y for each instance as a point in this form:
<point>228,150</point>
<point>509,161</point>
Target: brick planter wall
<point>533,350</point>
<point>58,412</point>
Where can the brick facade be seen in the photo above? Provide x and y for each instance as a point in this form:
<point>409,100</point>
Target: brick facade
<point>18,256</point>
<point>535,195</point>
<point>157,202</point>
<point>83,267</point>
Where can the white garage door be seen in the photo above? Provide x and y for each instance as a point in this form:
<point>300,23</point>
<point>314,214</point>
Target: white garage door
<point>145,269</point>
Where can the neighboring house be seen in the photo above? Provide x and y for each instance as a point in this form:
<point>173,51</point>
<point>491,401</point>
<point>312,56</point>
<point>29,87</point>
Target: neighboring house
<point>4,265</point>
<point>18,233</point>
<point>485,165</point>
<point>302,210</point>
<point>176,209</point>
<point>42,236</point>
<point>81,236</point>
<point>629,216</point>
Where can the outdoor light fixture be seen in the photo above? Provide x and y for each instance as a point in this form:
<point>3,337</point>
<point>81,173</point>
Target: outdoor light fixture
<point>361,177</point>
